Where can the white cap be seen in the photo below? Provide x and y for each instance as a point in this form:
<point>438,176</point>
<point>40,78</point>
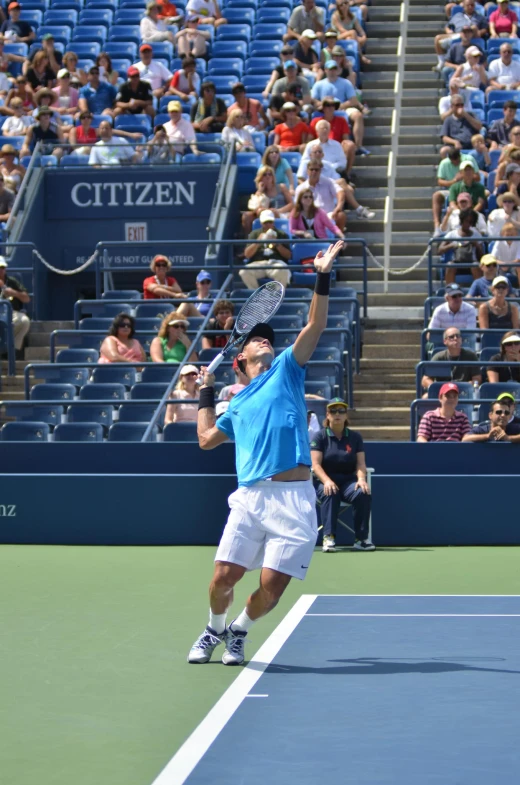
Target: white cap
<point>500,279</point>
<point>465,164</point>
<point>3,263</point>
<point>308,33</point>
<point>189,369</point>
<point>63,72</point>
<point>289,105</point>
<point>266,215</point>
<point>473,50</point>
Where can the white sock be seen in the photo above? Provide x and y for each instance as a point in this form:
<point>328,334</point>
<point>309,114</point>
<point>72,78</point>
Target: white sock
<point>359,209</point>
<point>217,621</point>
<point>441,59</point>
<point>242,623</point>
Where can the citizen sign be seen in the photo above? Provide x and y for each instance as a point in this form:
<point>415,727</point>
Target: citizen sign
<point>158,194</point>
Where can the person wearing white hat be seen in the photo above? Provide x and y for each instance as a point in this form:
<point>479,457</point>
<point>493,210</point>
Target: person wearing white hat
<point>472,73</point>
<point>304,54</point>
<point>13,290</point>
<point>509,352</point>
<point>67,97</point>
<point>498,313</point>
<point>266,260</point>
<point>186,389</point>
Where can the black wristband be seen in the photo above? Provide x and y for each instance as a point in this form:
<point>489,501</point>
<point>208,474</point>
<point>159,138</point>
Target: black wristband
<point>207,398</point>
<point>322,285</point>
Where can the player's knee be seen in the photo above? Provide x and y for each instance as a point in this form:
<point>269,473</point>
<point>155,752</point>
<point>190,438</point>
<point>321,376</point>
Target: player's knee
<point>227,575</point>
<point>273,587</point>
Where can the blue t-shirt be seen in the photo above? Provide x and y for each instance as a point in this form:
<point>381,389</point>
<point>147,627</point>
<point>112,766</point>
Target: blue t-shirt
<point>100,99</point>
<point>268,421</point>
<point>341,89</point>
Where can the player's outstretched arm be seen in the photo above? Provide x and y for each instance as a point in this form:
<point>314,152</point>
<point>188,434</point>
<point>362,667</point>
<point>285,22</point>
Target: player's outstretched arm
<point>208,434</point>
<point>307,340</point>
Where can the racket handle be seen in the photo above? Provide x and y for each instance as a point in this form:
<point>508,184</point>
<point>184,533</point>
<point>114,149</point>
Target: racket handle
<point>214,364</point>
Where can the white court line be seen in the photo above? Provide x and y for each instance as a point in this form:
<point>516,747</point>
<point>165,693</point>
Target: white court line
<point>257,695</point>
<point>443,615</point>
<point>418,595</point>
<point>184,761</point>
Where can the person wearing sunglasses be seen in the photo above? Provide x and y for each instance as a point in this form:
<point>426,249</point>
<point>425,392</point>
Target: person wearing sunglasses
<point>507,212</point>
<point>454,312</point>
<point>186,389</point>
<point>497,428</point>
<point>172,343</point>
<point>481,287</point>
<point>498,313</point>
<point>160,285</point>
<point>120,346</point>
<point>340,470</point>
<point>454,352</point>
<point>507,251</point>
<point>509,353</point>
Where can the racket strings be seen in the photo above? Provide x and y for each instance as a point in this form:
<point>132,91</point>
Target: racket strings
<point>260,307</point>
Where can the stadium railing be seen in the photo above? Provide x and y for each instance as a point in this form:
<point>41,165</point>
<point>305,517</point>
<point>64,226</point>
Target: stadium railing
<point>476,333</point>
<point>429,367</point>
<point>432,266</point>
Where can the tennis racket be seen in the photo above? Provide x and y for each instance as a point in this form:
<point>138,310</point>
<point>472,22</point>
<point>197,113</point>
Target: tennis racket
<point>260,307</point>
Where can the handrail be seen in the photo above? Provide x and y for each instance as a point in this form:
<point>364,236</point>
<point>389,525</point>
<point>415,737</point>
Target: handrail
<point>421,401</point>
<point>435,241</point>
<point>8,321</point>
<point>23,187</point>
<point>476,331</point>
<point>419,368</point>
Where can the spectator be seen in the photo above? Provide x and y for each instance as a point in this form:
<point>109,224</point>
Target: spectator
<point>512,173</point>
<point>241,380</point>
<point>292,79</point>
<point>331,39</point>
<point>185,390</point>
<point>345,69</point>
<point>152,28</point>
<point>7,57</point>
<point>509,154</point>
<point>109,151</point>
<point>310,221</point>
<point>16,30</point>
<point>120,346</point>
<point>454,352</point>
<point>153,71</point>
<point>468,17</point>
<point>11,288</point>
<point>66,97</point>
<point>469,184</point>
<point>503,23</point>
<point>160,285</point>
<point>305,56</point>
<point>497,428</point>
<point>509,353</point>
<point>266,260</point>
<point>268,196</point>
<point>45,97</point>
<point>339,466</point>
<point>457,53</point>
<point>339,128</point>
<point>481,287</point>
<point>504,73</point>
<point>19,123</point>
<point>471,73</point>
<point>202,303</point>
<point>168,12</point>
<point>507,212</point>
<point>78,77</point>
<point>500,130</point>
<point>455,88</point>
<point>134,96</point>
<point>498,313</point>
<point>507,251</point>
<point>333,151</point>
<point>13,173</point>
<point>106,71</point>
<point>460,126</point>
<point>329,171</point>
<point>190,41</point>
<point>255,117</point>
<point>224,401</point>
<point>510,400</point>
<point>209,114</point>
<point>467,251</point>
<point>313,425</point>
<point>171,343</point>
<point>291,135</point>
<point>235,133</point>
<point>160,150</point>
<point>222,320</point>
<point>454,312</point>
<point>286,53</point>
<point>306,16</point>
<point>83,134</point>
<point>180,131</point>
<point>185,83</point>
<point>40,74</point>
<point>334,86</point>
<point>281,167</point>
<point>97,97</point>
<point>327,194</point>
<point>43,132</point>
<point>21,89</point>
<point>444,424</point>
<point>348,28</point>
<point>208,10</point>
<point>480,153</point>
<point>451,220</point>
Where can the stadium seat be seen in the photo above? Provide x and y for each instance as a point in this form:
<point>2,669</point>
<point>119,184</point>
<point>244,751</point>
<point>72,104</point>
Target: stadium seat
<point>226,66</point>
<point>25,432</point>
<point>141,412</point>
<point>122,294</point>
<point>229,49</point>
<point>92,33</point>
<point>52,392</point>
<point>161,373</point>
<point>207,355</point>
<point>47,413</point>
<point>102,392</point>
<point>254,82</point>
<point>58,375</point>
<point>101,309</point>
<point>265,48</point>
<point>497,98</point>
<point>273,15</point>
<point>78,432</point>
<point>111,5</point>
<point>74,160</point>
<point>128,16</point>
<point>96,16</point>
<point>234,32</point>
<point>60,33</point>
<point>127,33</point>
<point>95,323</point>
<point>33,16</point>
<point>180,432</point>
<point>146,324</point>
<point>88,413</point>
<point>129,432</point>
<point>66,17</point>
<point>286,322</point>
<point>148,390</point>
<point>262,65</point>
<point>266,31</point>
<point>77,356</point>
<point>203,158</point>
<point>122,49</point>
<point>323,389</point>
<point>240,15</point>
<point>150,309</point>
<point>114,373</point>
<point>142,120</point>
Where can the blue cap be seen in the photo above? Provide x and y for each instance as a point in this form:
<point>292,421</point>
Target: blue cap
<point>203,276</point>
<point>289,64</point>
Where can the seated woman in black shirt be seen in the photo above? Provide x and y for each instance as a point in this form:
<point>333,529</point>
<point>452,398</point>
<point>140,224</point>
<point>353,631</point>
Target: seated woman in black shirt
<point>222,320</point>
<point>338,463</point>
<point>509,351</point>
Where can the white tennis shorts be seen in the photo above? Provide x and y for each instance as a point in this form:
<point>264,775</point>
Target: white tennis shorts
<point>271,524</point>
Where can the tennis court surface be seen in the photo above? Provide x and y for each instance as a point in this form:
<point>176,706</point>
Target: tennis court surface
<point>402,690</point>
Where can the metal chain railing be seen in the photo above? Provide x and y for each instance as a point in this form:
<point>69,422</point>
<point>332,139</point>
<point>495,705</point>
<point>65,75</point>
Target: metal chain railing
<point>80,269</point>
<point>402,271</point>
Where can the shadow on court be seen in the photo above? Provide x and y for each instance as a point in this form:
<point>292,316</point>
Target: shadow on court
<point>367,666</point>
<point>382,549</point>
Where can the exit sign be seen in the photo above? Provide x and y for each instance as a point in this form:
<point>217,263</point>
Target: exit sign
<point>136,232</point>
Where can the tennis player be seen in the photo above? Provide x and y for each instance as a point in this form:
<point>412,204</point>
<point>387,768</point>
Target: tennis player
<point>272,523</point>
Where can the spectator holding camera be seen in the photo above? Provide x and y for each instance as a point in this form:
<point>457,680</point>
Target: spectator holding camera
<point>266,260</point>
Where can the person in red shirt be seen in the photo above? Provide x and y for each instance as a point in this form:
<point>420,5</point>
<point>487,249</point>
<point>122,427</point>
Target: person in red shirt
<point>339,129</point>
<point>293,134</point>
<point>160,285</point>
<point>252,109</point>
<point>168,12</point>
<point>503,22</point>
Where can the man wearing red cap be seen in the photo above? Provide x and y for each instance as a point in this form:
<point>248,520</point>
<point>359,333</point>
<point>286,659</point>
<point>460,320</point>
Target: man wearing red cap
<point>152,71</point>
<point>134,96</point>
<point>17,30</point>
<point>444,424</point>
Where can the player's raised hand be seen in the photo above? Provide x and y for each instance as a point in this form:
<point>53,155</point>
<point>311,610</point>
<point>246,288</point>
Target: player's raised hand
<point>206,379</point>
<point>323,261</point>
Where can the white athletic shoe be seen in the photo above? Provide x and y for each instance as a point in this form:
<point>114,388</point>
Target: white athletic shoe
<point>205,645</point>
<point>364,212</point>
<point>235,642</point>
<point>364,545</point>
<point>329,544</point>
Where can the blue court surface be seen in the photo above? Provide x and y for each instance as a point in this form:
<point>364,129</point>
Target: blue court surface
<point>370,690</point>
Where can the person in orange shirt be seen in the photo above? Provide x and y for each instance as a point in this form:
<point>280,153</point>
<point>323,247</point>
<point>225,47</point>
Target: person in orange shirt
<point>293,134</point>
<point>168,12</point>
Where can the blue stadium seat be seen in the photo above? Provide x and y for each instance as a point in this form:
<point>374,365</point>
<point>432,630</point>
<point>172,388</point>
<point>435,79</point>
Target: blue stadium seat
<point>327,353</point>
<point>52,392</point>
<point>140,412</point>
<point>181,432</point>
<point>114,373</point>
<point>148,390</point>
<point>488,339</point>
<point>143,324</point>
<point>265,48</point>
<point>306,250</point>
<point>16,49</point>
<point>150,309</point>
<point>94,412</point>
<point>110,5</point>
<point>105,310</point>
<point>33,16</point>
<point>299,294</point>
<point>129,432</point>
<point>59,375</point>
<point>492,390</point>
<point>239,4</point>
<point>322,375</point>
<point>77,356</point>
<point>234,32</point>
<point>91,33</point>
<point>102,392</point>
<point>254,82</point>
<point>494,44</point>
<point>121,49</point>
<point>229,49</point>
<point>96,16</point>
<point>78,432</point>
<point>84,64</point>
<point>266,31</point>
<point>36,5</point>
<point>262,65</point>
<point>64,17</point>
<point>226,66</point>
<point>223,83</point>
<point>294,159</point>
<point>72,5</point>
<point>125,33</point>
<point>338,322</point>
<point>272,15</point>
<point>259,140</point>
<point>241,15</point>
<point>74,160</point>
<point>497,98</point>
<point>25,432</point>
<point>294,309</point>
<point>488,352</point>
<point>95,324</point>
<point>121,65</point>
<point>323,389</point>
<point>61,33</point>
<point>84,48</point>
<point>128,16</point>
<point>122,294</point>
<point>203,158</point>
<point>161,373</point>
<point>47,413</point>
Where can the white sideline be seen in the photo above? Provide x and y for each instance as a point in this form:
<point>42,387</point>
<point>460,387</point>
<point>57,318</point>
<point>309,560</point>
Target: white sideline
<point>186,758</point>
<point>414,615</point>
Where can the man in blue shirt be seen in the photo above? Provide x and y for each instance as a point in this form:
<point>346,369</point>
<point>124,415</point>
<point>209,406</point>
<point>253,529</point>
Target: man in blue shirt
<point>498,428</point>
<point>272,523</point>
<point>97,97</point>
<point>334,86</point>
